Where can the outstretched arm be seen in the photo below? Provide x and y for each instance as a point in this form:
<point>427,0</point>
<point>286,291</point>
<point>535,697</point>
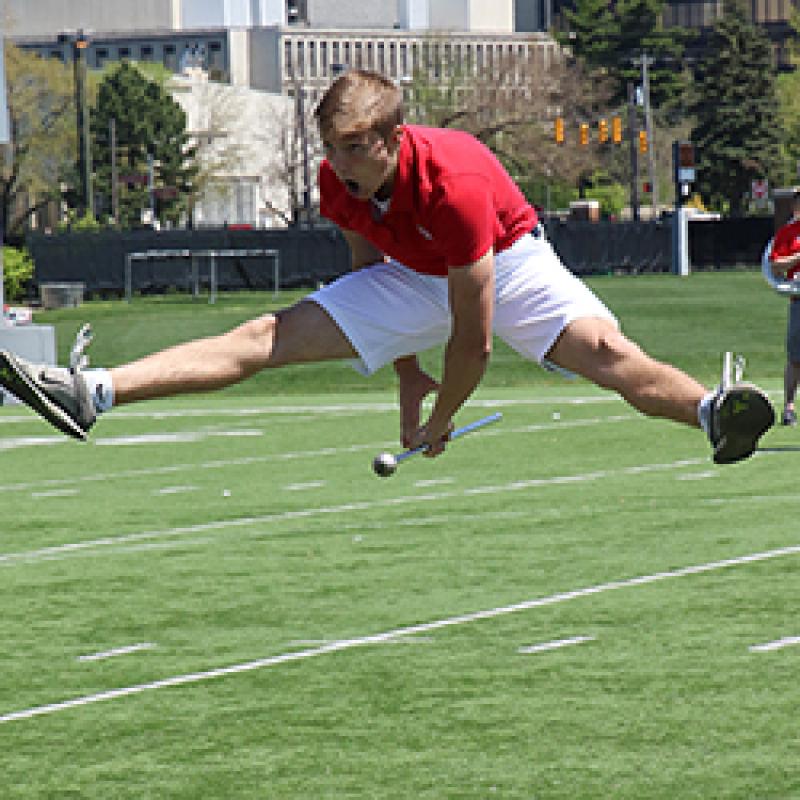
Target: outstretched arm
<point>471,290</point>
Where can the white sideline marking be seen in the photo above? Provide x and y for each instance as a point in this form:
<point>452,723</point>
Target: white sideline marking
<point>248,460</point>
<point>56,493</point>
<point>176,489</point>
<point>300,487</point>
<point>7,559</point>
<point>118,651</point>
<point>545,646</point>
<point>31,441</point>
<point>327,409</point>
<point>698,476</point>
<point>787,641</point>
<point>434,482</point>
<point>170,438</point>
<point>379,638</point>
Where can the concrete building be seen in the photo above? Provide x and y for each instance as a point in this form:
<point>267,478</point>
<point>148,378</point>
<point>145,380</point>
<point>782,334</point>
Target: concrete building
<point>243,140</point>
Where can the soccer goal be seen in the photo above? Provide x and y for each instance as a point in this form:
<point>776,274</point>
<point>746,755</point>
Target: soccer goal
<point>193,259</point>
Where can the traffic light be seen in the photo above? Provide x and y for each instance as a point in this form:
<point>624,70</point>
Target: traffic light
<point>584,133</point>
<point>642,142</point>
<point>616,130</point>
<point>559,130</point>
<point>602,131</point>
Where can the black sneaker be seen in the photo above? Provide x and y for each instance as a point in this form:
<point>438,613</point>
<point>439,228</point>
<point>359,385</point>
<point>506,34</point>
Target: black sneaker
<point>740,416</point>
<point>58,394</point>
<point>789,417</point>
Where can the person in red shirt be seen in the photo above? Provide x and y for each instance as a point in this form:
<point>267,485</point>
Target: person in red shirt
<point>785,261</point>
<point>445,250</point>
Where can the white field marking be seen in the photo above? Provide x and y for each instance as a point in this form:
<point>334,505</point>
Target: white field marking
<point>545,646</point>
<point>64,550</point>
<point>56,493</point>
<point>244,461</point>
<point>434,482</point>
<point>698,476</point>
<point>379,638</point>
<point>178,437</point>
<point>118,651</point>
<point>176,489</point>
<point>751,498</point>
<point>787,641</point>
<point>249,460</point>
<point>301,487</point>
<point>418,522</point>
<point>31,441</point>
<point>327,409</point>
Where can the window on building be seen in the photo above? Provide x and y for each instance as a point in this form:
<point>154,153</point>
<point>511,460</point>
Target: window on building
<point>301,58</point>
<point>170,57</point>
<point>359,55</point>
<point>146,52</point>
<point>287,58</point>
<point>323,58</point>
<point>123,53</point>
<point>312,59</point>
<point>215,59</point>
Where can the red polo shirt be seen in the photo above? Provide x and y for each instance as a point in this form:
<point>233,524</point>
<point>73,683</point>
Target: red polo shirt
<point>787,243</point>
<point>452,200</point>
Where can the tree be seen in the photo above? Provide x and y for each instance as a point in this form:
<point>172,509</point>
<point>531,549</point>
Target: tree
<point>611,38</point>
<point>737,131</point>
<point>43,148</point>
<point>510,106</point>
<point>150,132</point>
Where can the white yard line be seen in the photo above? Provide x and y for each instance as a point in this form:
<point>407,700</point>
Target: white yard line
<point>65,550</point>
<point>555,645</point>
<point>192,437</point>
<point>787,641</point>
<point>379,638</point>
<point>304,487</point>
<point>117,651</point>
<point>328,408</point>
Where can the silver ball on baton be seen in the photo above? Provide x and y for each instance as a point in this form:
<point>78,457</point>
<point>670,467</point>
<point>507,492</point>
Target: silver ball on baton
<point>384,465</point>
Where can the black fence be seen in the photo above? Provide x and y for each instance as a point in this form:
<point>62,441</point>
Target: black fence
<point>310,256</point>
<point>306,257</point>
<point>726,243</point>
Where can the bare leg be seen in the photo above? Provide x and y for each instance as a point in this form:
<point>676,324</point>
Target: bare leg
<point>298,334</point>
<point>595,349</point>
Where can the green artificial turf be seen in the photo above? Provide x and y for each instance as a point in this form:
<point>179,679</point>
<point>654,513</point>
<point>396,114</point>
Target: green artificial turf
<point>308,630</point>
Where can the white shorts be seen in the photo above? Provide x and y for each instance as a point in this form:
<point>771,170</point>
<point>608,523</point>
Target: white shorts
<point>388,310</point>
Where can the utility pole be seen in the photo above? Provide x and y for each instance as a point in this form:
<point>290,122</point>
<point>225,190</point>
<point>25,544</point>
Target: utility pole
<point>80,42</point>
<point>301,126</point>
<point>5,140</point>
<point>646,61</point>
<point>114,176</point>
<point>633,139</point>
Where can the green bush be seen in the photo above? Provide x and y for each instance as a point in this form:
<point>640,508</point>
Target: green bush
<point>17,269</point>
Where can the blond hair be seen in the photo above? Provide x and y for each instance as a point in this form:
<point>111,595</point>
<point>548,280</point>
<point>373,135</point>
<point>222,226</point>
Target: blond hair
<point>360,101</point>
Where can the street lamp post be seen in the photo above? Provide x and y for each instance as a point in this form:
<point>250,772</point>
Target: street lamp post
<point>80,42</point>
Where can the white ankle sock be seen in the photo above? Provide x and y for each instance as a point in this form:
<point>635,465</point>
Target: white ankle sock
<point>98,381</point>
<point>704,412</point>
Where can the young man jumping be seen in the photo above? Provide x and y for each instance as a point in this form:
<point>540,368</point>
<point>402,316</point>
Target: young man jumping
<point>445,249</point>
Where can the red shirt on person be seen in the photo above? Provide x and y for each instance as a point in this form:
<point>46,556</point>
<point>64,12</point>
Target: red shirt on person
<point>452,200</point>
<point>787,243</point>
